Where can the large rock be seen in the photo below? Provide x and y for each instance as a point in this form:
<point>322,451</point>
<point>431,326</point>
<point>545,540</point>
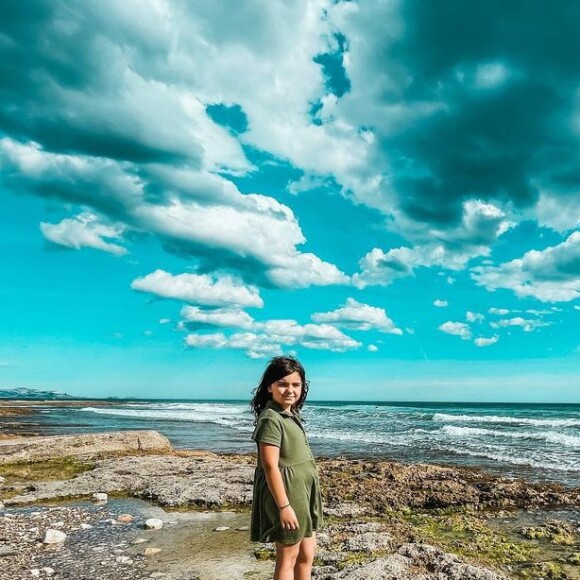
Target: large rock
<point>86,445</point>
<point>168,480</point>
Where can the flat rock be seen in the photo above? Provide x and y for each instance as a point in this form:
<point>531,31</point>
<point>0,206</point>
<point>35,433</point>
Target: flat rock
<point>85,445</point>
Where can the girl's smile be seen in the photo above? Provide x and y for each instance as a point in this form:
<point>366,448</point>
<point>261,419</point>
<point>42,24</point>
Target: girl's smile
<point>287,390</point>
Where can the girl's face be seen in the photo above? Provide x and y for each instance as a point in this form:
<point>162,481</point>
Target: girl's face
<point>287,390</point>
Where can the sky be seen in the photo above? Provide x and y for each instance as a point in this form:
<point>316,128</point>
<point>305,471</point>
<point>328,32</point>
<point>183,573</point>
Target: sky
<point>388,190</point>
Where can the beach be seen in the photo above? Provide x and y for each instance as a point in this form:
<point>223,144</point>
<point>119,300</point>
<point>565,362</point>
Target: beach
<point>383,519</point>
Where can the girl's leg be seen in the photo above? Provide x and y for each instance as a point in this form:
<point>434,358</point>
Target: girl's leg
<point>286,555</point>
<point>303,569</point>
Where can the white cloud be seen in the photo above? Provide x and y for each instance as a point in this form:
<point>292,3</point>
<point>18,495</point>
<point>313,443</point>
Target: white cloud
<point>85,231</point>
<point>481,225</point>
<point>457,329</point>
<point>527,324</point>
<point>269,337</point>
<point>440,303</point>
<point>372,348</point>
<point>199,289</point>
<point>360,317</point>
<point>164,320</point>
<point>550,275</point>
<point>482,341</point>
<point>499,311</point>
<point>226,317</point>
<point>474,317</point>
<point>303,270</point>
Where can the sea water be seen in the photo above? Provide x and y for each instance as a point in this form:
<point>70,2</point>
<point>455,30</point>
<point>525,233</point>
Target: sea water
<point>538,442</point>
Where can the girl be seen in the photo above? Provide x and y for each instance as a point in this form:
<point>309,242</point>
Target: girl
<point>287,502</point>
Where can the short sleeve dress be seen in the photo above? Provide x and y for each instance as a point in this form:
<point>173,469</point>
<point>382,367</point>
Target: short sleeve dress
<point>301,482</point>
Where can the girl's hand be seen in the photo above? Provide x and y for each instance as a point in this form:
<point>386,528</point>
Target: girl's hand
<point>288,519</point>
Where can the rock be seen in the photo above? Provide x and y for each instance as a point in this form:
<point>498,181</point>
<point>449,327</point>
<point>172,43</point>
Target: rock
<point>48,571</point>
<point>101,497</point>
<point>153,524</point>
<point>123,560</point>
<point>221,529</point>
<point>125,518</point>
<point>243,528</point>
<point>370,542</point>
<point>35,572</point>
<point>151,551</point>
<point>53,537</point>
<point>86,526</point>
<point>7,551</point>
<point>140,540</point>
<point>84,445</point>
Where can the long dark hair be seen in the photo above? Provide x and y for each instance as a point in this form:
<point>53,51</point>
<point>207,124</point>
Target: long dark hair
<point>278,368</point>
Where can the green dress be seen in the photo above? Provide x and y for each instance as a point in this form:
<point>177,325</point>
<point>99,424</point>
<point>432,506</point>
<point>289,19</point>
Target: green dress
<point>298,468</point>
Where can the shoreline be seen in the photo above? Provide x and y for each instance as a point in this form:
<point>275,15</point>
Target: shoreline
<point>379,515</point>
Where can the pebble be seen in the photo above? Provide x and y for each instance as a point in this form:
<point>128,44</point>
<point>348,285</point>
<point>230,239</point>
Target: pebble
<point>53,537</point>
<point>151,551</point>
<point>35,572</point>
<point>243,528</point>
<point>153,524</point>
<point>140,540</point>
<point>48,571</point>
<point>125,518</point>
<point>221,529</point>
<point>123,560</point>
<point>101,497</point>
<point>86,526</point>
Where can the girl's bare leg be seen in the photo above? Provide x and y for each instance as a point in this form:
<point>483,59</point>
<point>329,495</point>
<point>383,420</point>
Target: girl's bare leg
<point>303,569</point>
<point>286,556</point>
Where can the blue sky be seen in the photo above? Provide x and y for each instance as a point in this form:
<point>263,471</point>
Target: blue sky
<point>387,192</point>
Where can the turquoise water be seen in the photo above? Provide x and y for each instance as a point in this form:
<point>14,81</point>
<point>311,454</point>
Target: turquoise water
<point>539,442</point>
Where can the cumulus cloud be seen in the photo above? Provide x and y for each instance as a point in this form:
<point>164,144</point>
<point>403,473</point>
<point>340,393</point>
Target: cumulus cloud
<point>440,303</point>
<point>359,316</point>
<point>227,317</point>
<point>85,231</point>
<point>499,311</point>
<point>457,329</point>
<point>209,290</point>
<point>269,337</point>
<point>483,341</point>
<point>454,247</point>
<point>474,317</point>
<point>526,324</point>
<point>550,275</point>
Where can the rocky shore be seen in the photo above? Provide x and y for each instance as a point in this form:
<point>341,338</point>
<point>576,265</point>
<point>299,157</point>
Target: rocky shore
<point>382,519</point>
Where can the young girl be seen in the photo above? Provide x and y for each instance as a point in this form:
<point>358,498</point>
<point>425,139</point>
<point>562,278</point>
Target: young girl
<point>287,503</point>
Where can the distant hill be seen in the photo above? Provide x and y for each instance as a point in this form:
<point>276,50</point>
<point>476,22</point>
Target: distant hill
<point>24,393</point>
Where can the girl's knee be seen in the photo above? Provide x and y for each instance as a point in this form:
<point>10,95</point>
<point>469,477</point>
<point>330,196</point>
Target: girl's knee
<point>287,554</point>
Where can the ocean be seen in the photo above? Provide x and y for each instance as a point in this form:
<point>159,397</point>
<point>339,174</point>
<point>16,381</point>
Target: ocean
<point>538,442</point>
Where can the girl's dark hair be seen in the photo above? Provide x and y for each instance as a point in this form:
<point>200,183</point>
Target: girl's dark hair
<point>278,368</point>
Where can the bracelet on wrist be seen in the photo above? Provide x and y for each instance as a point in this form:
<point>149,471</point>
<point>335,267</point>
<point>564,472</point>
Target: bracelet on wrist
<point>284,506</point>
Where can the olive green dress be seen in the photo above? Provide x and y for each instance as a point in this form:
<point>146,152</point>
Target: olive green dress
<point>298,468</point>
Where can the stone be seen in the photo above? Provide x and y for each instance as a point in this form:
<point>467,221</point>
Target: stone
<point>100,497</point>
<point>86,526</point>
<point>123,560</point>
<point>243,528</point>
<point>32,449</point>
<point>53,537</point>
<point>48,571</point>
<point>221,529</point>
<point>125,518</point>
<point>151,551</point>
<point>35,572</point>
<point>7,551</point>
<point>153,524</point>
<point>140,540</point>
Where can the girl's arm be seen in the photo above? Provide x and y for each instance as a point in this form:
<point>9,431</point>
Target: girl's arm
<point>269,455</point>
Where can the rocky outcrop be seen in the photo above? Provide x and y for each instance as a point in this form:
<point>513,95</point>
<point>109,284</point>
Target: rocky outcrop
<point>87,445</point>
<point>168,480</point>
